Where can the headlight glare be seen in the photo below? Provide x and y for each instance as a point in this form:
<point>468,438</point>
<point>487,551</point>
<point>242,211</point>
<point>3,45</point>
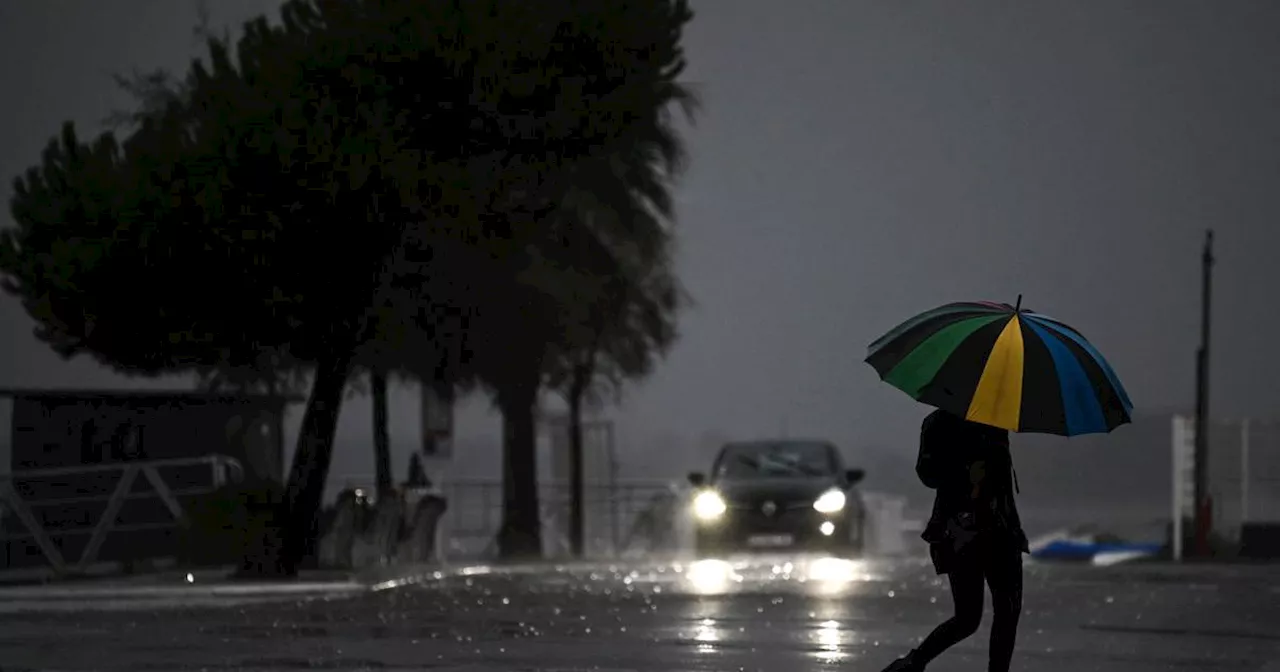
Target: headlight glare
<point>831,501</point>
<point>708,505</point>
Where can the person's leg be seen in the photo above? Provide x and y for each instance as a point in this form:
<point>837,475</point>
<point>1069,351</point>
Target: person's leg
<point>1004,575</point>
<point>966,593</point>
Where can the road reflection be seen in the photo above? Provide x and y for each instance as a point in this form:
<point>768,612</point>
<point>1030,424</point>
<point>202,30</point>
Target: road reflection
<point>706,635</point>
<point>711,576</point>
<point>828,638</point>
<point>828,576</point>
<point>831,636</point>
<point>808,597</point>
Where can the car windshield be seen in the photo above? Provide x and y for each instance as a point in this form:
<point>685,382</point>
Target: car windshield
<point>775,460</point>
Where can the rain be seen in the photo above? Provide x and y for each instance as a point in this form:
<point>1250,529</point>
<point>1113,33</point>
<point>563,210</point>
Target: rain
<point>639,335</point>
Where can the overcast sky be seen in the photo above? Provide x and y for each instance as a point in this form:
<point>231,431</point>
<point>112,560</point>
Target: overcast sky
<point>857,162</point>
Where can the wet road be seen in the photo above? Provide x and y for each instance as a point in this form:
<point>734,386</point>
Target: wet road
<point>785,615</point>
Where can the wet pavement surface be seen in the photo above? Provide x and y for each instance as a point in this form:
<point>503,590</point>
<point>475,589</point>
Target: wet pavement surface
<point>775,614</point>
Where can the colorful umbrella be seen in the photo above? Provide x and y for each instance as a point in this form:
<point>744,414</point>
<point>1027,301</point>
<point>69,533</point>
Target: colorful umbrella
<point>1004,366</point>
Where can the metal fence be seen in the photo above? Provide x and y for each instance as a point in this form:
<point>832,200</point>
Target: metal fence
<point>69,513</point>
<point>623,518</point>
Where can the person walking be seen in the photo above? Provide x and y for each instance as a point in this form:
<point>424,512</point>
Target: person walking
<point>974,534</point>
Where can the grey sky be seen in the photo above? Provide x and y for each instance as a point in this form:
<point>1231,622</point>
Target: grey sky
<point>856,162</point>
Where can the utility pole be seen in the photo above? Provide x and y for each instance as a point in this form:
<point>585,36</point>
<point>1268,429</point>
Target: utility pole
<point>1203,501</point>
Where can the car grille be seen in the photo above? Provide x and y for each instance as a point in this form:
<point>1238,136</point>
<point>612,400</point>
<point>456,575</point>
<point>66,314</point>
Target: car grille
<point>784,512</point>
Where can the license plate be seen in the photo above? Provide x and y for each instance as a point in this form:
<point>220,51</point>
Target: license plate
<point>770,540</point>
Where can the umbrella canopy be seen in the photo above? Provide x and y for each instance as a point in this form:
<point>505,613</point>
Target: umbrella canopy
<point>1003,366</point>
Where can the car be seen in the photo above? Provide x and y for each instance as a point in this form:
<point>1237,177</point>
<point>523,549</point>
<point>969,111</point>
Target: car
<point>779,494</point>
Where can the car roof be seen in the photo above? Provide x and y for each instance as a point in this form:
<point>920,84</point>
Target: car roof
<point>754,443</point>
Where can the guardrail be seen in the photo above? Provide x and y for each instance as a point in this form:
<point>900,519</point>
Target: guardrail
<point>223,470</point>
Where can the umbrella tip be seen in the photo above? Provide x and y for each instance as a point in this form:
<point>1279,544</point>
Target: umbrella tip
<point>1018,307</point>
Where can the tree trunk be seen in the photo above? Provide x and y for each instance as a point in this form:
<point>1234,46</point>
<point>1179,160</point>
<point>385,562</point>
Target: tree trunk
<point>305,491</point>
<point>577,524</point>
<point>381,440</point>
<point>520,536</point>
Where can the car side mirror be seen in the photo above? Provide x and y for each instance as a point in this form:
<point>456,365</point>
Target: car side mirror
<point>697,479</point>
<point>855,476</point>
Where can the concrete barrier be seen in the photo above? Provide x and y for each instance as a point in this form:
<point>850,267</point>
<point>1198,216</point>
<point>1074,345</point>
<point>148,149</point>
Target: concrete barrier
<point>397,529</point>
<point>420,543</point>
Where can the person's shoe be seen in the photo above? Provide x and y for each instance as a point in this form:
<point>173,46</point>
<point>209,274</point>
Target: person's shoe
<point>906,663</point>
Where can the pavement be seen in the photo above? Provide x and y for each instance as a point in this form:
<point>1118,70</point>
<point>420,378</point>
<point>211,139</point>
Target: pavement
<point>783,614</point>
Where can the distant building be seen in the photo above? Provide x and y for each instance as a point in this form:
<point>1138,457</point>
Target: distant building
<point>62,428</point>
<point>77,430</point>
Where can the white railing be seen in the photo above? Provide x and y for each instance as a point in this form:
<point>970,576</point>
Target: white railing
<point>223,470</point>
<point>1243,475</point>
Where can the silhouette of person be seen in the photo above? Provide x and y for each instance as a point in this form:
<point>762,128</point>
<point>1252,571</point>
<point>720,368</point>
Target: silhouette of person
<point>974,534</point>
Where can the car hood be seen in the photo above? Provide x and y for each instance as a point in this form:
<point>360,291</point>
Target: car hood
<point>783,489</point>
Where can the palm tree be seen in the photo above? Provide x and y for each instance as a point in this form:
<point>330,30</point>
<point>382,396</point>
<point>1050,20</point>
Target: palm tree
<point>621,319</point>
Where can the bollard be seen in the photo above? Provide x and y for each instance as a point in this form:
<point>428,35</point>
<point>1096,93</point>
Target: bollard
<point>419,542</point>
<point>376,543</point>
<point>337,543</point>
<point>402,528</point>
<point>386,529</point>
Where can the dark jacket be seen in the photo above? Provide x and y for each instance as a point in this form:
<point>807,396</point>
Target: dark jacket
<point>949,445</point>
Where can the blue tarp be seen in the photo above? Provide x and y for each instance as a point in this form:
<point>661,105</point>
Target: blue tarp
<point>1064,549</point>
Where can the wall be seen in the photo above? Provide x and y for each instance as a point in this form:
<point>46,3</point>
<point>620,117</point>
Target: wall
<point>56,432</point>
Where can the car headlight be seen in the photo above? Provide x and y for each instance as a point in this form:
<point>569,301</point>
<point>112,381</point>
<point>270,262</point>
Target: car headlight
<point>831,501</point>
<point>708,505</point>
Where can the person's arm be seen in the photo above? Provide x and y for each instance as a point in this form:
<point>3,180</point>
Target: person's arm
<point>977,478</point>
